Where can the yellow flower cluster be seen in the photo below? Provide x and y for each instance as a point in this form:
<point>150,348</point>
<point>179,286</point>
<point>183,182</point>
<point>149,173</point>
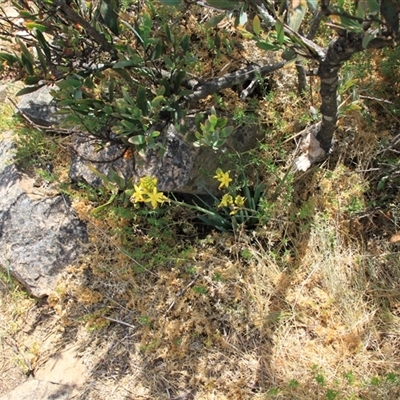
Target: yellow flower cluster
<point>236,203</point>
<point>146,192</point>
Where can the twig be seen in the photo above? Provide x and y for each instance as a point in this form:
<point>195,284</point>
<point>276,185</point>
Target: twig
<point>377,99</point>
<point>120,249</point>
<point>303,132</point>
<point>14,346</point>
<point>250,88</point>
<point>120,322</point>
<point>394,142</point>
<point>179,294</point>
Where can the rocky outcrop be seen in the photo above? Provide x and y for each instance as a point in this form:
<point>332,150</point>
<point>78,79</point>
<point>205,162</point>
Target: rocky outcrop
<point>187,169</point>
<point>182,168</point>
<point>39,234</point>
<point>60,378</point>
<point>88,152</point>
<point>40,390</point>
<point>40,106</point>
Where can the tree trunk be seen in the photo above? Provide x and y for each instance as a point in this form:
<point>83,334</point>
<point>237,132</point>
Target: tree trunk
<point>339,51</point>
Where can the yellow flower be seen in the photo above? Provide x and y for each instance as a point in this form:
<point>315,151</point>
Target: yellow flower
<point>223,178</point>
<point>137,196</point>
<point>148,183</point>
<point>218,173</point>
<point>155,197</point>
<point>226,201</point>
<point>239,201</point>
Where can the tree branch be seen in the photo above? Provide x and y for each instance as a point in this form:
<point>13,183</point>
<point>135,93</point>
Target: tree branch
<point>95,34</point>
<point>229,80</point>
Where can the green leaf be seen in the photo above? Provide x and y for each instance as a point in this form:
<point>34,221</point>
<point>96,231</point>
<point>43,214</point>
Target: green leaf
<point>214,21</point>
<point>280,32</point>
<point>186,92</point>
<point>351,107</point>
<point>132,127</point>
<point>26,14</point>
<point>268,46</point>
<point>137,140</point>
<point>123,64</point>
<point>157,101</point>
<point>168,33</point>
<point>213,120</point>
<point>185,43</point>
<point>257,25</point>
<point>125,75</point>
<point>26,63</point>
<point>25,51</point>
<point>109,14</point>
<point>171,3</point>
<point>198,119</point>
<point>224,4</point>
<point>390,13</point>
<point>157,51</point>
<point>297,13</point>
<point>349,24</point>
<point>33,25</point>
<point>9,58</point>
<point>114,177</point>
<point>382,183</point>
<point>348,84</point>
<point>32,80</point>
<point>41,57</point>
<point>226,132</point>
<point>69,84</point>
<point>368,36</point>
<point>178,80</point>
<point>221,123</point>
<point>29,89</point>
<point>313,4</point>
<point>168,62</point>
<point>141,100</point>
<point>373,6</point>
<point>111,88</point>
<point>43,44</point>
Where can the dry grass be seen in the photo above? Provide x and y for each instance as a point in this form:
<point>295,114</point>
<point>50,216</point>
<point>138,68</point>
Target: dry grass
<point>257,324</point>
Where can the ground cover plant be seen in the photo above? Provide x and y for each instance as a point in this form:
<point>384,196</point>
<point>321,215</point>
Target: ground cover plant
<point>303,303</point>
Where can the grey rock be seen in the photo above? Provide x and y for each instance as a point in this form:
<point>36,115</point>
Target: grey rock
<point>39,234</point>
<point>187,169</point>
<point>34,389</point>
<point>173,170</point>
<point>182,168</point>
<point>88,151</point>
<point>62,377</point>
<point>40,106</point>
